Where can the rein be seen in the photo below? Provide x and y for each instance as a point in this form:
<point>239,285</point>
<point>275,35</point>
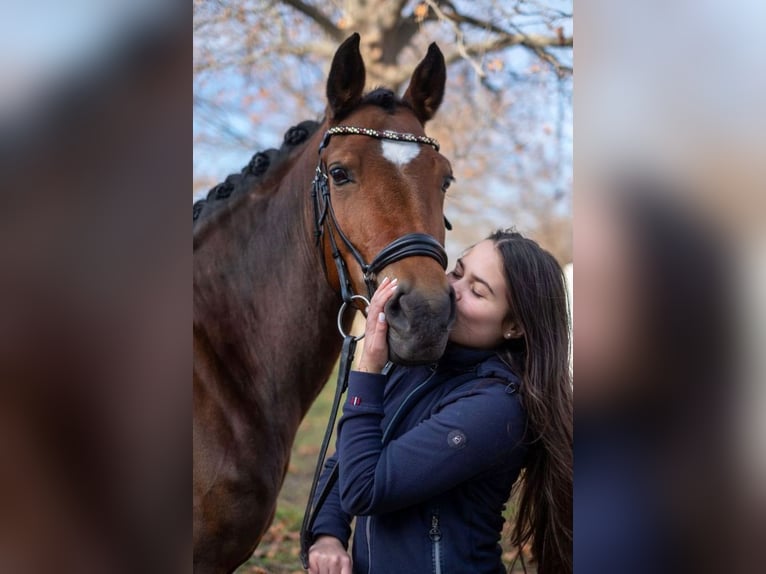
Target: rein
<point>410,245</point>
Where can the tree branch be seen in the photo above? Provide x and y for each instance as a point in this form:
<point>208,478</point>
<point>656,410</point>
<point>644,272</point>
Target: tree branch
<point>560,69</point>
<point>536,43</point>
<point>528,40</point>
<point>320,49</point>
<point>498,44</point>
<point>461,48</point>
<point>317,16</point>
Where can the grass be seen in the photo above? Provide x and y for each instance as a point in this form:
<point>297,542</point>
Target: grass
<point>278,552</point>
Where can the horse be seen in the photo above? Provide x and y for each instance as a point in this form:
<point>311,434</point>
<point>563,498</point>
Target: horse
<point>277,251</point>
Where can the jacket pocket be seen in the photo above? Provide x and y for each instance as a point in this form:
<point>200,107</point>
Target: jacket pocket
<point>435,534</point>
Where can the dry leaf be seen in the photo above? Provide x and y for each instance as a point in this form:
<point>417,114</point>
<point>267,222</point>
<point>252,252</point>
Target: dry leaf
<point>421,11</point>
<point>496,65</point>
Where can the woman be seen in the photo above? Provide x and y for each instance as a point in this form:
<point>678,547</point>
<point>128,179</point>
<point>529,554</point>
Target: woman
<point>428,455</point>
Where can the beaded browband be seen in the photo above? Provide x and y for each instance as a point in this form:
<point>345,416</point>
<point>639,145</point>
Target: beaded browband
<point>383,135</point>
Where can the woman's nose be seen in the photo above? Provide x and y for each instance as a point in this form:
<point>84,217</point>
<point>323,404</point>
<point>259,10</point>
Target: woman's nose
<point>457,289</point>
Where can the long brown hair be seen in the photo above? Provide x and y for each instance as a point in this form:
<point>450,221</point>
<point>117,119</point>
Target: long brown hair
<point>538,302</point>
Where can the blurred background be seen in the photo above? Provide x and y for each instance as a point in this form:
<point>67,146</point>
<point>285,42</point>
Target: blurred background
<point>505,124</point>
<point>95,290</point>
<point>668,204</point>
<point>670,215</point>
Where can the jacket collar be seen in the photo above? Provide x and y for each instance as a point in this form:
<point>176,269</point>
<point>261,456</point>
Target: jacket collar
<point>459,357</point>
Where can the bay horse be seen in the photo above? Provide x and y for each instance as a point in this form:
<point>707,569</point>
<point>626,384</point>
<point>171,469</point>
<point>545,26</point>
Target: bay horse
<point>267,289</point>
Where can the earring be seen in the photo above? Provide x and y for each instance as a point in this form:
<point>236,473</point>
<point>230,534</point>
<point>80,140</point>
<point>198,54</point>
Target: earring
<point>507,335</point>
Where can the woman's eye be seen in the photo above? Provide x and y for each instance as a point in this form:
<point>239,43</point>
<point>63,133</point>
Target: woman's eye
<point>339,175</point>
<point>477,294</point>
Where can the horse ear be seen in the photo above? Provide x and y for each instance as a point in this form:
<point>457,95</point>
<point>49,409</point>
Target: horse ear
<point>345,83</point>
<point>426,89</point>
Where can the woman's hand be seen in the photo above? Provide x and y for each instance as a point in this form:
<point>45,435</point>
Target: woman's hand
<point>375,352</point>
<point>327,556</point>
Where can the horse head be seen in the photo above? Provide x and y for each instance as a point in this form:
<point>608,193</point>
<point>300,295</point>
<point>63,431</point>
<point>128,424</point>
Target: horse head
<point>382,189</point>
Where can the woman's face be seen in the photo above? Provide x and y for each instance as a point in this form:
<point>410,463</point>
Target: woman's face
<point>482,299</point>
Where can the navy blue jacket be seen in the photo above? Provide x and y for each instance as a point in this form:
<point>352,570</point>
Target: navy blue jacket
<point>427,458</point>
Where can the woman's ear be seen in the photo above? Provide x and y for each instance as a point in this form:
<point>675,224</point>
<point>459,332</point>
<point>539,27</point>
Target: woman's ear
<point>512,330</point>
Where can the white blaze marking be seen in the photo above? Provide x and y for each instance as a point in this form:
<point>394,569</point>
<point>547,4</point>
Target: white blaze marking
<point>400,153</point>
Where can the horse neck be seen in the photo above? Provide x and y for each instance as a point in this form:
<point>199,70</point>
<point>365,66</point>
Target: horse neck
<point>261,297</point>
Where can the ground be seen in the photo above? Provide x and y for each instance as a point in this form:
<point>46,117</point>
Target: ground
<point>278,552</point>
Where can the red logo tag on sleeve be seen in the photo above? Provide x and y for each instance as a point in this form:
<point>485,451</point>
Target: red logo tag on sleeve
<point>356,401</point>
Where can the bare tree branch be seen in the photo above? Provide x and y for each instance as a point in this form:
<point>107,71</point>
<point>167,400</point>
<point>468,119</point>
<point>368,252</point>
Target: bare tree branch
<point>317,16</point>
<point>559,13</point>
<point>461,48</point>
<point>528,40</point>
<point>537,43</point>
<point>545,55</point>
<point>321,49</point>
<point>534,43</point>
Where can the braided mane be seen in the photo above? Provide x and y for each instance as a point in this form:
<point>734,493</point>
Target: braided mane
<point>260,166</point>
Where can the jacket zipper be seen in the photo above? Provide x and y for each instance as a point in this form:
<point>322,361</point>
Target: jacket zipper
<point>368,522</point>
<point>435,534</point>
<point>369,544</point>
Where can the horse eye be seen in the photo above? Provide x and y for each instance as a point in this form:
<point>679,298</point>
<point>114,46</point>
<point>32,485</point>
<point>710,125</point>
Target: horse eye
<point>339,175</point>
<point>447,182</point>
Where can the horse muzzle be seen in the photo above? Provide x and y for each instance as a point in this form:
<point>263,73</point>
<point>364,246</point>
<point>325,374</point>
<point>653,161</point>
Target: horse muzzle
<point>418,324</point>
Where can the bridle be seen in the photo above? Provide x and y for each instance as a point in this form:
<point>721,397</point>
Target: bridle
<point>326,224</point>
<point>410,245</point>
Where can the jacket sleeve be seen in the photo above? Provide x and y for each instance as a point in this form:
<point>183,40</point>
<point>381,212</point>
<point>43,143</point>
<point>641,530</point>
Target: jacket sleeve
<point>331,519</point>
<point>474,430</point>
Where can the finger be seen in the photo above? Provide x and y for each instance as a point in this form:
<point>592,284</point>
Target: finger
<point>386,286</point>
<point>375,325</point>
<point>383,293</point>
<point>316,560</point>
<point>381,286</point>
<point>376,307</point>
<point>370,324</point>
<point>331,565</point>
<point>378,302</point>
<point>378,339</point>
<point>375,352</point>
<point>387,291</point>
<point>318,563</point>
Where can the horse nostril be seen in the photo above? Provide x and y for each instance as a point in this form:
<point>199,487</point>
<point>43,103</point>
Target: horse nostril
<point>394,306</point>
